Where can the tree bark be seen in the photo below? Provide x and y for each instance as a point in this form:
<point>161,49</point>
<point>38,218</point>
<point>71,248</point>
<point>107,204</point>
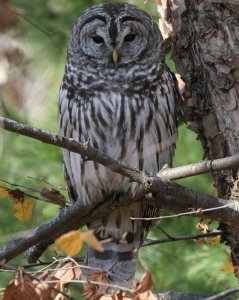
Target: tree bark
<point>205,47</point>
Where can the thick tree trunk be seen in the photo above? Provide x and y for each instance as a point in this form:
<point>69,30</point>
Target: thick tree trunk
<point>205,48</point>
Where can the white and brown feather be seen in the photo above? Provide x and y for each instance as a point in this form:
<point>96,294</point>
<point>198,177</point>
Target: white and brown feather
<point>128,111</point>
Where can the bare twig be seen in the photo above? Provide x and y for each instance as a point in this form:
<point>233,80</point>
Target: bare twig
<point>169,195</point>
<point>86,150</point>
<point>199,168</point>
<point>188,213</point>
<point>183,238</point>
<point>44,181</point>
<point>223,294</point>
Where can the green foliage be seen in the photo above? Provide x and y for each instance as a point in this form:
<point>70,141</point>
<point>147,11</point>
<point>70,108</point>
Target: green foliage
<point>183,266</point>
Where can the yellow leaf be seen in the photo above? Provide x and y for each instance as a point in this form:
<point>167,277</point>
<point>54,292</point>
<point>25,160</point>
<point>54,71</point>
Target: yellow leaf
<point>214,240</point>
<point>228,269</point>
<point>23,209</point>
<point>201,241</point>
<point>70,243</point>
<point>3,191</point>
<point>92,241</point>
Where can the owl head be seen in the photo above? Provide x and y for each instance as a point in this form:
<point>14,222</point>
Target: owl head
<point>115,35</point>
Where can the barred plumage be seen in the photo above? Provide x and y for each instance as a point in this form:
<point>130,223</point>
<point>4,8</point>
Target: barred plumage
<point>128,109</point>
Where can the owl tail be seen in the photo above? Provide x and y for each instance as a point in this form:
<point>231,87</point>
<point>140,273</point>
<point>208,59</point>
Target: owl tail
<point>122,238</point>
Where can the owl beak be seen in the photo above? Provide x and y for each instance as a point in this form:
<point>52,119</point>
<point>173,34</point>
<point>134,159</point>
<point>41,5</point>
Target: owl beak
<point>115,56</point>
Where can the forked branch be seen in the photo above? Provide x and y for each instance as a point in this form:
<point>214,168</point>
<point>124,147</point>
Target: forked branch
<point>167,195</point>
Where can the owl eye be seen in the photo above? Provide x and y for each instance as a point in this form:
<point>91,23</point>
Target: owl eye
<point>98,39</point>
<point>129,37</point>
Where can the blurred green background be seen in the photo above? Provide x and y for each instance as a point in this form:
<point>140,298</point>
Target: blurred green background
<point>29,94</point>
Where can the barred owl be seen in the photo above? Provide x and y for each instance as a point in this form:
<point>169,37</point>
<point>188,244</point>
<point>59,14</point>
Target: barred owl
<point>118,93</point>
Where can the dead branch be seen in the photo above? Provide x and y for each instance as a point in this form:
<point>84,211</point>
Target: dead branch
<point>135,175</point>
<point>183,238</point>
<point>169,195</point>
<point>199,168</point>
<point>223,294</point>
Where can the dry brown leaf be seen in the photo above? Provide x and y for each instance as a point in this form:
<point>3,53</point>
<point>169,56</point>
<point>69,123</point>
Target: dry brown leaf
<point>70,243</point>
<point>148,295</point>
<point>214,240</point>
<point>16,195</point>
<point>201,241</point>
<point>44,291</point>
<point>107,297</point>
<point>54,196</point>
<point>145,284</point>
<point>59,296</point>
<point>92,241</point>
<point>67,273</point>
<point>118,296</point>
<point>22,287</point>
<point>202,227</point>
<point>7,16</point>
<point>94,291</point>
<point>43,276</point>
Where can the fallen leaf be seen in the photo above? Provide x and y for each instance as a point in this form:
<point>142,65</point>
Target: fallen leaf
<point>92,241</point>
<point>54,196</point>
<point>118,296</point>
<point>214,240</point>
<point>3,191</point>
<point>67,273</point>
<point>148,295</point>
<point>201,241</point>
<point>94,291</point>
<point>59,296</point>
<point>23,209</point>
<point>70,243</point>
<point>22,287</point>
<point>108,297</point>
<point>43,290</point>
<point>202,227</point>
<point>16,195</point>
<point>145,284</point>
<point>7,15</point>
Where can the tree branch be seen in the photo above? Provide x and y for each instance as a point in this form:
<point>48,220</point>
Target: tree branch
<point>169,195</point>
<point>223,294</point>
<point>86,150</point>
<point>199,168</point>
<point>183,238</point>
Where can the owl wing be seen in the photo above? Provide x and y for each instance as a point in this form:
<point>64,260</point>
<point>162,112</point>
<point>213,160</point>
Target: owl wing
<point>68,125</point>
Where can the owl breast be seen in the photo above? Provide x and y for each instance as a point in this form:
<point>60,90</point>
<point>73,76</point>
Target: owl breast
<point>136,128</point>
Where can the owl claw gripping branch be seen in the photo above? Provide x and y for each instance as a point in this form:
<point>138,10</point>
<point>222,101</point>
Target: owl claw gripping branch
<point>129,112</point>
